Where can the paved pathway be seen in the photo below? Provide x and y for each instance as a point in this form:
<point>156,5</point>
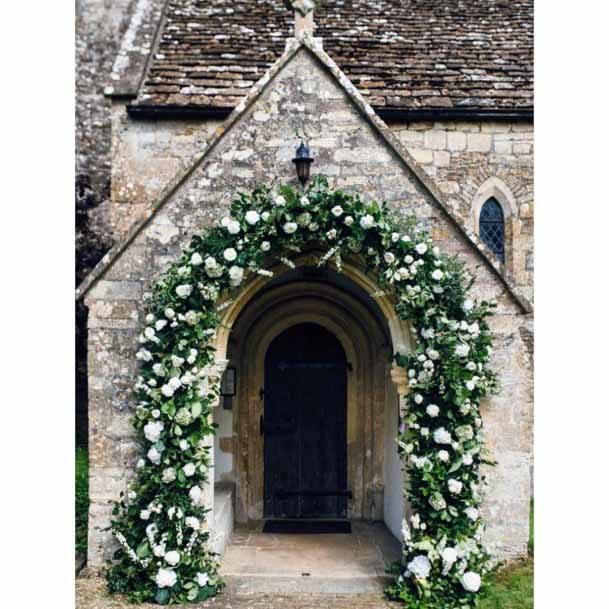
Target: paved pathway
<point>91,594</point>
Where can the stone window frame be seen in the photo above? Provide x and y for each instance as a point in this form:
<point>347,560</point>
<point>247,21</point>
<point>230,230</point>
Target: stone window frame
<point>497,189</point>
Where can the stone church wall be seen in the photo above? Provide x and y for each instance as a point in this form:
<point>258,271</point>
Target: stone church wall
<point>259,148</point>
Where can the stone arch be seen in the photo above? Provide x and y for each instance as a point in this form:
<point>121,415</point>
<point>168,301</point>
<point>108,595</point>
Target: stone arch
<point>496,188</point>
<point>367,345</point>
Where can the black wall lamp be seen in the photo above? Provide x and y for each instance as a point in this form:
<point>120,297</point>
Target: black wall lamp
<point>303,162</point>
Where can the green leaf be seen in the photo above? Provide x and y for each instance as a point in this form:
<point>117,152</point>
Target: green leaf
<point>193,592</point>
<point>143,550</point>
<point>162,596</point>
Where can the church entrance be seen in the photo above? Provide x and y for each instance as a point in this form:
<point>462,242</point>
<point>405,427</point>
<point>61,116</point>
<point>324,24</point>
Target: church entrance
<point>304,424</point>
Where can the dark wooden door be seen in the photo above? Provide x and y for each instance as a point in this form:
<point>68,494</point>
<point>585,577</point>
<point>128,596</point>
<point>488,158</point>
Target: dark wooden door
<point>305,425</point>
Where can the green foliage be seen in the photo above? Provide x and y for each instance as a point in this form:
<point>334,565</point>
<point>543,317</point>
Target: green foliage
<point>82,499</point>
<point>441,437</point>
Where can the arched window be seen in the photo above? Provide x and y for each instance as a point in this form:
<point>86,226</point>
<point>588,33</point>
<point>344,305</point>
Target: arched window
<point>492,227</point>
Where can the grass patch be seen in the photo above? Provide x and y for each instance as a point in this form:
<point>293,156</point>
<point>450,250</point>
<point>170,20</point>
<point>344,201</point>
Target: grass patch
<point>82,498</point>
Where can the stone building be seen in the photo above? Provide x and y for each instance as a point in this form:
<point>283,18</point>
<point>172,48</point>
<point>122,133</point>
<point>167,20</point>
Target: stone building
<point>425,105</point>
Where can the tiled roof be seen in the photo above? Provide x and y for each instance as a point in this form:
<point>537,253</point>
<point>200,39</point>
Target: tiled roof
<point>401,54</point>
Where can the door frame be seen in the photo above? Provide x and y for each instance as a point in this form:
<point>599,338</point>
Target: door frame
<point>367,350</point>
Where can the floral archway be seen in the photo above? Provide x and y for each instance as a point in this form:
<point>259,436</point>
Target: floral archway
<point>160,521</point>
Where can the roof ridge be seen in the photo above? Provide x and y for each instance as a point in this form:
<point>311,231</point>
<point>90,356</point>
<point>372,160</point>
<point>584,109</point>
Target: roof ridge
<point>314,46</point>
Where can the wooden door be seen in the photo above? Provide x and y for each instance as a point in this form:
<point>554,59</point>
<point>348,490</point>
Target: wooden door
<point>305,425</point>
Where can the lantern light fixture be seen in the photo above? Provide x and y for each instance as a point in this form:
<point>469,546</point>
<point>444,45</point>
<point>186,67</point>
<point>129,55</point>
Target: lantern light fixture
<point>303,162</point>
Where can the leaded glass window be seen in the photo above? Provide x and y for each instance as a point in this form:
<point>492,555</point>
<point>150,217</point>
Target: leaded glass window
<point>492,227</point>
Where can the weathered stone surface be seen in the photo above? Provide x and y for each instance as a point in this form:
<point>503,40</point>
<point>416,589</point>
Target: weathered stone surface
<point>319,109</point>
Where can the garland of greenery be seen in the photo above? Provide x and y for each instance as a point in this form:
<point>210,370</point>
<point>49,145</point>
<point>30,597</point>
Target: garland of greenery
<point>160,522</point>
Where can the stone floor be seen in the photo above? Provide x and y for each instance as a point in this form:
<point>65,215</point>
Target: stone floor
<point>265,571</point>
<point>345,563</point>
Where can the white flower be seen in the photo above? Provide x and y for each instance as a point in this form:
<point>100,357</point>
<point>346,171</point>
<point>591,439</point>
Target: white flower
<point>419,566</point>
<point>149,333</point>
<point>313,226</point>
<point>424,431</point>
<point>230,254</point>
<point>154,455</point>
<point>153,430</point>
<point>471,581</point>
<point>389,257</point>
<point>252,217</point>
<point>140,463</point>
<point>331,234</point>
<point>441,436</point>
<point>192,523</point>
<point>337,210</point>
<point>184,290</point>
<point>177,361</point>
<point>467,459</point>
<point>169,475</point>
<point>202,579</point>
<point>433,410</point>
<point>455,486</point>
<point>433,354</point>
<point>183,444</point>
<point>265,216</point>
<point>189,469</point>
<point>145,514</point>
<point>468,305</point>
<point>462,350</point>
<point>437,502</point>
<point>172,558</point>
<point>449,555</point>
<point>443,456</point>
<point>160,324</point>
<point>166,578</point>
<point>235,274</point>
<point>196,495</point>
<point>471,513</point>
<point>192,356</point>
<point>279,200</point>
<point>416,521</point>
<point>196,259</point>
<point>149,318</point>
<point>144,355</point>
<point>265,246</point>
<point>421,248</point>
<point>367,222</point>
<point>233,227</point>
<point>191,318</point>
<point>169,313</point>
<point>304,201</point>
<point>418,398</point>
<point>470,385</point>
<point>290,227</point>
<point>349,220</point>
<point>437,275</point>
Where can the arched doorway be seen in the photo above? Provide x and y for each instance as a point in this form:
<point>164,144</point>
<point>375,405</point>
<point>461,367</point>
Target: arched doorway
<point>305,425</point>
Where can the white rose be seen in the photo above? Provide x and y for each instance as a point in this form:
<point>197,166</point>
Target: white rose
<point>166,578</point>
<point>419,566</point>
<point>443,456</point>
<point>471,581</point>
<point>280,201</point>
<point>252,217</point>
<point>169,475</point>
<point>467,459</point>
<point>462,350</point>
<point>449,555</point>
<point>230,254</point>
<point>196,259</point>
<point>175,382</point>
<point>455,486</point>
<point>191,318</point>
<point>145,514</point>
<point>433,410</point>
<point>189,469</point>
<point>437,275</point>
<point>149,318</point>
<point>170,313</point>
<point>149,333</point>
<point>337,210</point>
<point>470,385</point>
<point>202,579</point>
<point>290,227</point>
<point>265,246</point>
<point>265,216</point>
<point>471,513</point>
<point>468,305</point>
<point>367,222</point>
<point>389,257</point>
<point>421,248</point>
<point>233,227</point>
<point>144,355</point>
<point>235,274</point>
<point>192,356</point>
<point>172,558</point>
<point>192,523</point>
<point>184,290</point>
<point>196,495</point>
<point>140,463</point>
<point>153,430</point>
<point>441,436</point>
<point>418,398</point>
<point>304,201</point>
<point>154,455</point>
<point>349,220</point>
<point>183,445</point>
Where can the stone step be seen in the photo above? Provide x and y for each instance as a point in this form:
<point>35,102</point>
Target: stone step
<point>258,584</point>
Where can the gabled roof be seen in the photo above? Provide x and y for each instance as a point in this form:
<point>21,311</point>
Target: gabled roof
<point>450,56</point>
<point>315,48</point>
